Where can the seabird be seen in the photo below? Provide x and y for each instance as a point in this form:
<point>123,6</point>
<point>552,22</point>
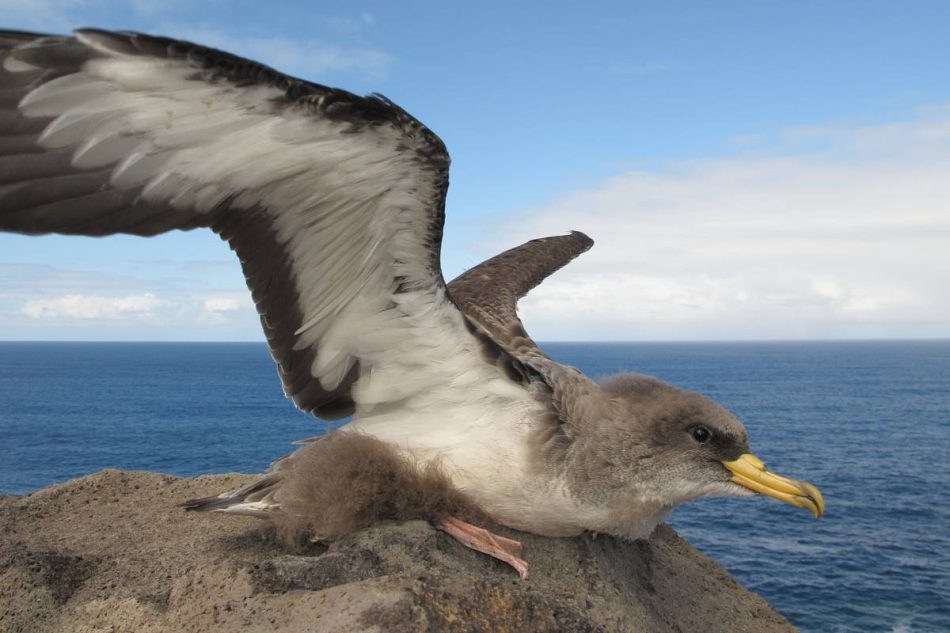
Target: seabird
<point>334,205</point>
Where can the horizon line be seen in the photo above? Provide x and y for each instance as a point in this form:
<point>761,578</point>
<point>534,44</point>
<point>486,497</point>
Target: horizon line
<point>910,339</point>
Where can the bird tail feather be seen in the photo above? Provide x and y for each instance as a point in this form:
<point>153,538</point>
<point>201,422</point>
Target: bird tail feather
<point>256,499</point>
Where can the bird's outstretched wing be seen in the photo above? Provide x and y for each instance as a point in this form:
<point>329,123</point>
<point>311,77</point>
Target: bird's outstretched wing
<point>488,293</point>
<point>333,202</point>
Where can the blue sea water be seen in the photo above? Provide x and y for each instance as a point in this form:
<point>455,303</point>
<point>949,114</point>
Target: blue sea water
<point>868,422</point>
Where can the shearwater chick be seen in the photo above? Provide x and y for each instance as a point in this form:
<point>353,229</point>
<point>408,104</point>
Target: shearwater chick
<point>334,204</point>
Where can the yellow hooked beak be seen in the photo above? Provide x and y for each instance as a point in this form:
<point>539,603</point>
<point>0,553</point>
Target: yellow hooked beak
<point>749,471</point>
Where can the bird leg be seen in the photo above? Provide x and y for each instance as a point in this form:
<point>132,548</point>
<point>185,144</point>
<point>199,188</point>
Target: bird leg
<point>495,545</point>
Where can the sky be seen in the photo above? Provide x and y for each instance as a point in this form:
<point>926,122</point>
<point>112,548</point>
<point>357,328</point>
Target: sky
<point>748,170</point>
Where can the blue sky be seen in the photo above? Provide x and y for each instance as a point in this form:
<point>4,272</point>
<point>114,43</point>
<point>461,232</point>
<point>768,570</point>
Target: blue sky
<point>748,170</point>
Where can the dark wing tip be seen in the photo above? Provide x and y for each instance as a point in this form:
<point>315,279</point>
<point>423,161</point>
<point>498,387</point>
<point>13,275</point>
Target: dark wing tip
<point>519,269</point>
<point>584,241</point>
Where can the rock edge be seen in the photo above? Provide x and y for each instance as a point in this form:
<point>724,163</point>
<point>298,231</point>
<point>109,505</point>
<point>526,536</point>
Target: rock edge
<point>112,552</point>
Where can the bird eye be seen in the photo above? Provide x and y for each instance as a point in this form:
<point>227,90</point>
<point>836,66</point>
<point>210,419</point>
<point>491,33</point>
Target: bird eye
<point>701,434</point>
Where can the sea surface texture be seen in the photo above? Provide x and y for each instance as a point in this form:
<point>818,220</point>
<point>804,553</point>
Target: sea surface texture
<point>868,422</point>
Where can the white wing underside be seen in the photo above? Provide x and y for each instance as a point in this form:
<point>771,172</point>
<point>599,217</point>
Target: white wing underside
<point>351,212</point>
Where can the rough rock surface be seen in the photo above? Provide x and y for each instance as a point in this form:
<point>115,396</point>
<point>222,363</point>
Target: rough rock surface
<point>111,552</point>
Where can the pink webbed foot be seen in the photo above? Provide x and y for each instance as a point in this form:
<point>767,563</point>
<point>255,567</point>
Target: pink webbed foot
<point>480,539</point>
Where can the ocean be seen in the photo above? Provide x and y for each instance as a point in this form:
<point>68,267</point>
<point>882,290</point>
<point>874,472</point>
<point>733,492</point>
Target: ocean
<point>867,422</point>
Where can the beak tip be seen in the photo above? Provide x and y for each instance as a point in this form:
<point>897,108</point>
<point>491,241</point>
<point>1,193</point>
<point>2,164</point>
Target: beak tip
<point>815,496</point>
<point>750,472</point>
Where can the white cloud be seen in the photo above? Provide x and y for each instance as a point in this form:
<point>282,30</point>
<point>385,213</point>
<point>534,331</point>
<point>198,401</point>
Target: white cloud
<point>840,231</point>
<point>43,302</point>
<point>91,307</point>
<point>222,304</point>
<point>224,308</point>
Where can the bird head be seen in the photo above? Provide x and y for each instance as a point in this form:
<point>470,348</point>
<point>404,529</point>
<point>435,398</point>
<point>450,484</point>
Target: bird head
<point>677,445</point>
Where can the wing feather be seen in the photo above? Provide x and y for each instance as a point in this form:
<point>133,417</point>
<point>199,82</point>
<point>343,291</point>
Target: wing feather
<point>333,202</point>
<point>488,293</point>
